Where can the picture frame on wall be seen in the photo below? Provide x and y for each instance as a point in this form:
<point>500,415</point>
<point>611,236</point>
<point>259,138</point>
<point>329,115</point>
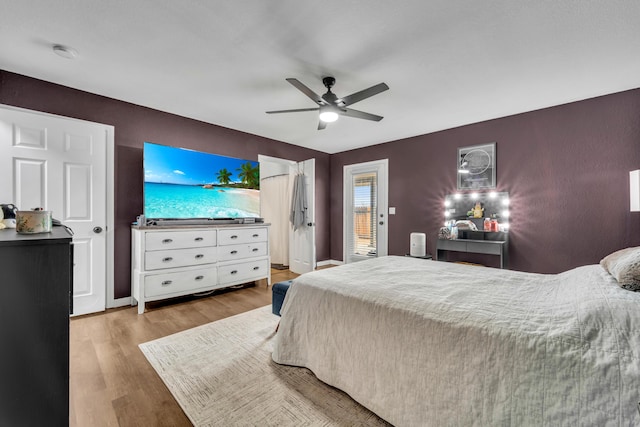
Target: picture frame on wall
<point>477,167</point>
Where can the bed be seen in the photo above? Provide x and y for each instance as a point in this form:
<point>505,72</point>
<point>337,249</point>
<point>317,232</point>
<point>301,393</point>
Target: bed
<point>433,343</point>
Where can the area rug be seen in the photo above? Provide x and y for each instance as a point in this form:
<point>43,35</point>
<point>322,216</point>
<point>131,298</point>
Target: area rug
<point>222,374</point>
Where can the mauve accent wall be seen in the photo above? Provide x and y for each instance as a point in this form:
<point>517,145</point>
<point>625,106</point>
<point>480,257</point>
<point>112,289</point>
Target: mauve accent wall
<point>566,169</point>
<point>134,125</point>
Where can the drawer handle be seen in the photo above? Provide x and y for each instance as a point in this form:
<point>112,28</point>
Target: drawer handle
<point>167,259</point>
<point>234,272</point>
<point>234,237</point>
<point>255,250</point>
<point>256,268</point>
<point>198,239</point>
<point>167,282</point>
<point>199,277</point>
<point>233,252</point>
<point>167,241</point>
<point>256,235</point>
<point>199,256</point>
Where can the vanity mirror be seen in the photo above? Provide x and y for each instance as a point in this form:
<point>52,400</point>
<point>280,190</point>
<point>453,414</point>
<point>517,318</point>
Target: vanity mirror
<point>478,206</point>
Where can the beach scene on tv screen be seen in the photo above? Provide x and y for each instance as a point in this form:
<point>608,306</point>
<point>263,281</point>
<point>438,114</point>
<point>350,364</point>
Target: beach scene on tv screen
<point>181,183</point>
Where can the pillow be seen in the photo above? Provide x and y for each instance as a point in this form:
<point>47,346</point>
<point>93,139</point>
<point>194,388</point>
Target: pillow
<point>624,266</point>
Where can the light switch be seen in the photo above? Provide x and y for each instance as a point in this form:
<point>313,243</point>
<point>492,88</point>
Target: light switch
<point>392,211</point>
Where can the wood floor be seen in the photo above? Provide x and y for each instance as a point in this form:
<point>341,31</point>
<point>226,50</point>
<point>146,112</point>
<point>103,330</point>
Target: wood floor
<point>111,382</point>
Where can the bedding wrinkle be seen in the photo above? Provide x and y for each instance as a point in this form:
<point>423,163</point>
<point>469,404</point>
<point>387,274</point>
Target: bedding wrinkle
<point>617,344</point>
<point>426,343</point>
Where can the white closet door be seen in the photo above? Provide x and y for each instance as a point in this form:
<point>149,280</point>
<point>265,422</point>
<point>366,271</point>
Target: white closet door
<point>302,242</point>
<point>302,251</point>
<point>59,164</point>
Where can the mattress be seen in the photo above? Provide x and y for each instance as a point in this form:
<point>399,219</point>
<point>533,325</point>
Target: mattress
<point>425,343</point>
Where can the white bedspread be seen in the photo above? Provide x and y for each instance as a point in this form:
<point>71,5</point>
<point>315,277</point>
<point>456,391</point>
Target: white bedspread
<point>426,343</point>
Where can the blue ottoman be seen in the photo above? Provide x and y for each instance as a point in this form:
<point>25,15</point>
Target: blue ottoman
<point>279,292</point>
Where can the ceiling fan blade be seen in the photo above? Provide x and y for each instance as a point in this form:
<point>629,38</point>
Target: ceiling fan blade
<point>302,88</point>
<point>292,111</point>
<point>321,125</point>
<point>350,112</point>
<point>363,94</point>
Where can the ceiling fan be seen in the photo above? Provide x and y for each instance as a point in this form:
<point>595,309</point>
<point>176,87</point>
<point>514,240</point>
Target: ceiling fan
<point>330,106</point>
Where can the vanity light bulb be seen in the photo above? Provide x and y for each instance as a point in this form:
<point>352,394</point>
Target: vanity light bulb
<point>446,214</point>
<point>474,196</point>
<point>447,203</point>
<point>505,202</point>
<point>457,196</point>
<point>505,214</point>
<point>493,195</point>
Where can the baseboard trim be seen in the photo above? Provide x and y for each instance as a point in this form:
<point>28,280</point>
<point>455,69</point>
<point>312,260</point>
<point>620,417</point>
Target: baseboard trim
<point>328,262</point>
<point>120,302</point>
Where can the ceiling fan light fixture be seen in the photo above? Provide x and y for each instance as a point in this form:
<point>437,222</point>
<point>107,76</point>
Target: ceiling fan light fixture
<point>328,115</point>
<point>330,106</point>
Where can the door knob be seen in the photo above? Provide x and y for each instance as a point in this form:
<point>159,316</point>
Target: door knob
<point>97,230</point>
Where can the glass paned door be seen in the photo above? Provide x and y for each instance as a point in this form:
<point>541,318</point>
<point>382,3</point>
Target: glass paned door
<point>365,210</point>
<point>365,213</point>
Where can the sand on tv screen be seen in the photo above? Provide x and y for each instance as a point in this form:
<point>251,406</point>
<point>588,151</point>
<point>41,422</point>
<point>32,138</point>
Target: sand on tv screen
<point>182,184</point>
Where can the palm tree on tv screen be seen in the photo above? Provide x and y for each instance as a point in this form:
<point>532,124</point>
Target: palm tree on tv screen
<point>250,175</point>
<point>223,176</point>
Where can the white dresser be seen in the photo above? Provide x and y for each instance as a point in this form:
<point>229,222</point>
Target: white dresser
<point>168,262</point>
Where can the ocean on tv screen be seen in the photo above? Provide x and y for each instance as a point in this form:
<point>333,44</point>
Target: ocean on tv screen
<point>200,201</point>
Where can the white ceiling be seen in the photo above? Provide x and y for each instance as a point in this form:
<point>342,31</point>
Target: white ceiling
<point>447,62</point>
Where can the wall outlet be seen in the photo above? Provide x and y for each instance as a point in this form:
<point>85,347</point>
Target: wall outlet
<point>392,211</point>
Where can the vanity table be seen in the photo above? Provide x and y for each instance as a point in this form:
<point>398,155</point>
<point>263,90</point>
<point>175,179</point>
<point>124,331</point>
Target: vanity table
<point>487,247</point>
<point>459,208</point>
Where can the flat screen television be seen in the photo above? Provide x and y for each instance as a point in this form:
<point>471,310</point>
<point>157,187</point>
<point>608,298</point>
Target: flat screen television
<point>186,184</point>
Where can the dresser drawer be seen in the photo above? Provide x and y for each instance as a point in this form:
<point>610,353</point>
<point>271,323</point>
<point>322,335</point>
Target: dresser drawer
<point>244,272</point>
<point>452,245</point>
<point>179,239</point>
<point>245,235</point>
<point>179,258</point>
<point>183,283</point>
<point>227,253</point>
<point>484,248</point>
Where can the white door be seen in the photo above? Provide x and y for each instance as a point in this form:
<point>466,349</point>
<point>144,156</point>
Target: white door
<point>302,242</point>
<point>302,247</point>
<point>365,210</point>
<point>59,164</point>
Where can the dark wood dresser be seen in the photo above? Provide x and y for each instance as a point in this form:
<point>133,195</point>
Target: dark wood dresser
<point>36,289</point>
